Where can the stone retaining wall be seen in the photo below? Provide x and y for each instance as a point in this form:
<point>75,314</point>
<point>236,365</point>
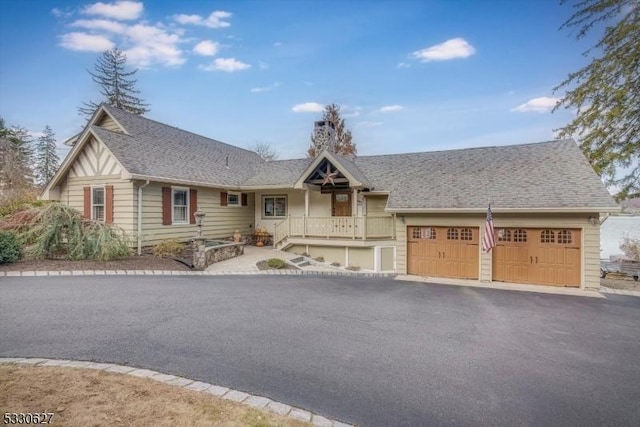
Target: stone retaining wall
<point>203,257</point>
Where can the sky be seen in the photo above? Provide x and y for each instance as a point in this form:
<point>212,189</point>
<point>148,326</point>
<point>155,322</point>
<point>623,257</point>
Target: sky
<point>409,75</point>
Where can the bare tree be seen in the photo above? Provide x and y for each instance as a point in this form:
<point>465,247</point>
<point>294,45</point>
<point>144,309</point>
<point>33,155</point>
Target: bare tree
<point>264,150</point>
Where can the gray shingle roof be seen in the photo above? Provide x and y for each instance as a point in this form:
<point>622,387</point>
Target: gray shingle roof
<point>551,174</point>
<point>159,150</point>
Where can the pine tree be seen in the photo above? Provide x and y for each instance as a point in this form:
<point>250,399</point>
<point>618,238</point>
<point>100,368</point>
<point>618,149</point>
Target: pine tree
<point>16,175</point>
<point>606,93</point>
<point>344,144</point>
<point>115,83</point>
<point>47,160</point>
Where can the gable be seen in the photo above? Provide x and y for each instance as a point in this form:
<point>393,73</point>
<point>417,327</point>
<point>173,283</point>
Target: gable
<point>107,122</point>
<point>94,160</point>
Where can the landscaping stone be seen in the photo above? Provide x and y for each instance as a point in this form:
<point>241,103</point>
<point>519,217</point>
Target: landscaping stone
<point>236,396</point>
<point>180,382</point>
<point>198,386</point>
<point>279,408</point>
<point>257,401</point>
<point>300,414</point>
<point>216,390</point>
<point>320,421</point>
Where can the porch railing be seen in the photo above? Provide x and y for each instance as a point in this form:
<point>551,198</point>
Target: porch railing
<point>334,227</point>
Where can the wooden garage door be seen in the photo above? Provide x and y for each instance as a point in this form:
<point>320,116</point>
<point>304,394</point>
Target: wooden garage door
<point>443,251</point>
<point>538,256</point>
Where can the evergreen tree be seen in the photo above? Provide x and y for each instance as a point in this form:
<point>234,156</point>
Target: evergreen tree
<point>606,92</point>
<point>344,143</point>
<point>47,160</point>
<point>116,85</point>
<point>16,175</point>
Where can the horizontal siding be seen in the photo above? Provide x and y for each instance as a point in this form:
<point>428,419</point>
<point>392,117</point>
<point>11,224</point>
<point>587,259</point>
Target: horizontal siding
<point>590,261</point>
<point>219,222</point>
<point>71,193</point>
<point>376,205</point>
<point>108,123</point>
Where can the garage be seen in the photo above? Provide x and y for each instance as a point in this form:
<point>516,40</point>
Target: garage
<point>537,256</point>
<point>443,251</point>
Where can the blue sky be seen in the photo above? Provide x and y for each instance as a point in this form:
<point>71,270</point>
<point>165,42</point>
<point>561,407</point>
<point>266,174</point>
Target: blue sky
<point>409,75</point>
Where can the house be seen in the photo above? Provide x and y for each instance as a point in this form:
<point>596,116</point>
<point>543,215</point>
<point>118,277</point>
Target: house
<point>412,213</point>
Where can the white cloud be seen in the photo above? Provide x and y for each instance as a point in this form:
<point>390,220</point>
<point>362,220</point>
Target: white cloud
<point>85,42</point>
<point>151,44</point>
<point>263,65</point>
<point>206,48</point>
<point>308,107</point>
<point>539,105</point>
<point>265,88</point>
<point>225,64</point>
<point>403,65</point>
<point>100,24</point>
<point>390,108</point>
<point>277,44</point>
<point>368,124</point>
<point>59,13</point>
<point>217,19</point>
<point>451,49</point>
<point>123,10</point>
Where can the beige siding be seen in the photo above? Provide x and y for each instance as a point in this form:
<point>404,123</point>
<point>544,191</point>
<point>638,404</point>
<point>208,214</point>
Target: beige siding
<point>376,205</point>
<point>297,249</point>
<point>71,193</point>
<point>590,260</point>
<point>386,259</point>
<point>219,222</point>
<point>94,160</point>
<point>361,257</point>
<point>108,123</point>
<point>329,253</point>
<point>319,205</point>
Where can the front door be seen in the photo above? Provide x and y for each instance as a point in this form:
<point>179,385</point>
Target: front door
<point>341,203</point>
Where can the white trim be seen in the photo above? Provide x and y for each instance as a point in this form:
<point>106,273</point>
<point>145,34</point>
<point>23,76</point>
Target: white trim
<point>234,193</point>
<point>186,190</point>
<point>104,202</point>
<point>504,210</point>
<point>273,196</point>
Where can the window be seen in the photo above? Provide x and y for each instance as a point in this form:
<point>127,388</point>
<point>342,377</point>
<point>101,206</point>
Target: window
<point>180,206</point>
<point>274,206</point>
<point>564,236</point>
<point>233,199</point>
<point>466,234</point>
<point>452,234</point>
<point>520,235</point>
<point>504,235</point>
<point>547,236</point>
<point>428,233</point>
<point>97,203</point>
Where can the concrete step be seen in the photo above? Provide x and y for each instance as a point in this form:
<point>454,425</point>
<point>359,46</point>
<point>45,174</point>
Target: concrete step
<point>297,260</point>
<point>304,264</point>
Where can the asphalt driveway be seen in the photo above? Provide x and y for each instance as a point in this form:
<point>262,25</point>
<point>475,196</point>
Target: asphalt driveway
<point>364,351</point>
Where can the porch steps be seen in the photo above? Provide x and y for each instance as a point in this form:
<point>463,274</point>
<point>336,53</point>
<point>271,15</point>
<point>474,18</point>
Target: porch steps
<point>300,262</point>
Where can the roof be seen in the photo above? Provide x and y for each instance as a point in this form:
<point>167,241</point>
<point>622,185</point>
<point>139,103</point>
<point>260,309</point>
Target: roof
<point>154,149</point>
<point>546,176</point>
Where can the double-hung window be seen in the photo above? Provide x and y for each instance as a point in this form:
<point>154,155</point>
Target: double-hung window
<point>274,206</point>
<point>180,205</point>
<point>97,203</point>
<point>233,199</point>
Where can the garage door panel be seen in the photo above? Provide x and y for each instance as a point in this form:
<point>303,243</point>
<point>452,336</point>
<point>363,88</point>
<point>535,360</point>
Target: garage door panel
<point>547,257</point>
<point>443,251</point>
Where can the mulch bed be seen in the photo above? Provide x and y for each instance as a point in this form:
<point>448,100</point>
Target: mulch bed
<point>142,262</point>
<point>615,281</point>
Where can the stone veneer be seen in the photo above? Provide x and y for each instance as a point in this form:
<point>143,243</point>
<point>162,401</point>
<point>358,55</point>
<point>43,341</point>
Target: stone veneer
<point>203,257</point>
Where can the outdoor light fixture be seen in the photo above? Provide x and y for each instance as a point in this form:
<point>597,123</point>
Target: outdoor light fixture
<point>592,220</point>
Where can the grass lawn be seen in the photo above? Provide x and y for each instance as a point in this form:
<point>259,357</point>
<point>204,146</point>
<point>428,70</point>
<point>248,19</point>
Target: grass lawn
<point>83,397</point>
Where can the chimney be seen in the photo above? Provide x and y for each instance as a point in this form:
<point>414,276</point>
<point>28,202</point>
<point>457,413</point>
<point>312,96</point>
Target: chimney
<point>325,135</point>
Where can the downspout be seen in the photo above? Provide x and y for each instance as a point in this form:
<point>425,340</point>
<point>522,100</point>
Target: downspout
<point>140,187</point>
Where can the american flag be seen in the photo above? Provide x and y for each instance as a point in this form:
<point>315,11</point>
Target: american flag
<point>489,240</point>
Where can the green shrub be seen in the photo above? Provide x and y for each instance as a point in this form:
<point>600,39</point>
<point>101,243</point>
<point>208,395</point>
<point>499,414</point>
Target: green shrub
<point>21,204</point>
<point>276,263</point>
<point>169,248</point>
<point>59,231</point>
<point>319,259</point>
<point>352,268</point>
<point>336,264</point>
<point>10,248</point>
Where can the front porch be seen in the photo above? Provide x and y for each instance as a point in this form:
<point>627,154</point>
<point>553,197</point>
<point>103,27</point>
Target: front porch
<point>335,227</point>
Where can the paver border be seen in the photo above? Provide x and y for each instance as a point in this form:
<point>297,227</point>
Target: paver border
<point>238,396</point>
<point>44,273</point>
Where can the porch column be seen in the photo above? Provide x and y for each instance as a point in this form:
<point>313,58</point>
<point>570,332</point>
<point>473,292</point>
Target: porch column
<point>306,202</point>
